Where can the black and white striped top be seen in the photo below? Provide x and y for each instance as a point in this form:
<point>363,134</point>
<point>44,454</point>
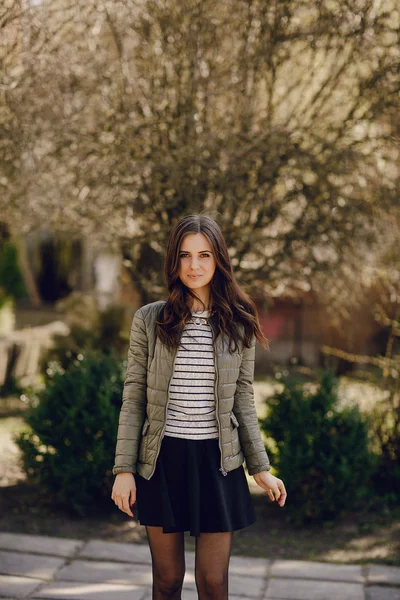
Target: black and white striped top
<point>191,409</point>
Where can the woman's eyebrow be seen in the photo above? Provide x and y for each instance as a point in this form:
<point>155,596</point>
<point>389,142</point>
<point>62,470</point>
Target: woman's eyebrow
<point>200,251</point>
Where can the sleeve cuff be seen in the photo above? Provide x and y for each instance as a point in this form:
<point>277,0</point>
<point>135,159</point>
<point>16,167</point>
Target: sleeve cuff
<point>256,470</point>
<point>117,470</point>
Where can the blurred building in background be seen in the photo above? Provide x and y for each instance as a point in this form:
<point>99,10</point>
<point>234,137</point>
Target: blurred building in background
<point>71,272</point>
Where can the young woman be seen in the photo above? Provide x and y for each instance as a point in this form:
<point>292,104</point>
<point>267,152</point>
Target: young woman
<point>188,419</point>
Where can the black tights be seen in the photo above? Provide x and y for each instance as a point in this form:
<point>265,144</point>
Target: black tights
<point>211,565</point>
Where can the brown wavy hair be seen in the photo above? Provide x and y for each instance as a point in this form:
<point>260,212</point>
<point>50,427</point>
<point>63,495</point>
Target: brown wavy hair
<point>233,315</point>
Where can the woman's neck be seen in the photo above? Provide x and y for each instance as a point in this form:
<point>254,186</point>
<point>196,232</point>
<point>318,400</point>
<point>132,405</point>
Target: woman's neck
<point>196,307</point>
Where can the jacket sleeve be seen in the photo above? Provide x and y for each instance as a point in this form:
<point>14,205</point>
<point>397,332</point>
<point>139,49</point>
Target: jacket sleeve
<point>134,399</point>
<point>244,408</point>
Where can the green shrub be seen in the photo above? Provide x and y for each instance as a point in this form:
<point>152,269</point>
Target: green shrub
<point>10,273</point>
<point>384,422</point>
<point>104,331</point>
<point>11,387</point>
<point>68,448</point>
<point>321,453</point>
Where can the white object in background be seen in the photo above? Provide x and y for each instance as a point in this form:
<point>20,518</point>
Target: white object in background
<point>107,268</point>
<point>31,341</point>
<point>7,318</point>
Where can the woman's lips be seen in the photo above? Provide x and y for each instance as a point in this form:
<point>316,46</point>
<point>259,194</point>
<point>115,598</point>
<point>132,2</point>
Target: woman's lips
<point>194,276</point>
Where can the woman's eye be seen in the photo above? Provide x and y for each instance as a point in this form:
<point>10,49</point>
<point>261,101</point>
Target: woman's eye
<point>201,255</point>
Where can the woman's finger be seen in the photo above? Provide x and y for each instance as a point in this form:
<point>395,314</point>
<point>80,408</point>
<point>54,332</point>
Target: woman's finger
<point>283,495</point>
<point>132,502</point>
<point>126,506</point>
<point>270,493</point>
<point>282,488</point>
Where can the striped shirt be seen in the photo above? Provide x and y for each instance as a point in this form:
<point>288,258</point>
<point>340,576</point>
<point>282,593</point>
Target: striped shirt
<point>191,410</point>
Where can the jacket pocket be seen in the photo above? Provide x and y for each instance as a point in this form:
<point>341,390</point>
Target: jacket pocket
<point>234,420</point>
<point>235,443</point>
<point>145,427</point>
<point>143,440</point>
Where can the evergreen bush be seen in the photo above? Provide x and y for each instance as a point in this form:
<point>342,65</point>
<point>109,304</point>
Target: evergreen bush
<point>104,331</point>
<point>69,444</point>
<point>384,422</point>
<point>11,279</point>
<point>321,453</point>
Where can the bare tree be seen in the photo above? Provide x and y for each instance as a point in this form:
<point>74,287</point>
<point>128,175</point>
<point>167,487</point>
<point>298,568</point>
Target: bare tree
<point>275,117</point>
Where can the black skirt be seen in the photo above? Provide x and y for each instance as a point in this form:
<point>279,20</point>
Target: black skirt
<point>188,492</point>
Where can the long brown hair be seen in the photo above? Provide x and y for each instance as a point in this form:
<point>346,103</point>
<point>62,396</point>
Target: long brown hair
<point>234,314</point>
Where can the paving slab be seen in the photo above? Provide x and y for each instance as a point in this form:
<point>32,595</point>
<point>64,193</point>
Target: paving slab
<point>383,574</point>
<point>301,589</point>
<point>70,590</point>
<point>376,592</point>
<point>94,571</point>
<point>48,568</point>
<point>251,587</point>
<point>189,580</point>
<point>112,572</point>
<point>191,595</point>
<point>317,570</point>
<point>39,544</point>
<point>250,567</point>
<point>29,565</point>
<point>238,565</point>
<point>121,552</point>
<point>17,586</point>
<point>238,585</point>
<point>190,558</point>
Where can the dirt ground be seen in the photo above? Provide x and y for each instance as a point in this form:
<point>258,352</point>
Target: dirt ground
<point>356,538</point>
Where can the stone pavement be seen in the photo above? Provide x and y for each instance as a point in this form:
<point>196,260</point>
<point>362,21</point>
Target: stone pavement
<point>62,569</point>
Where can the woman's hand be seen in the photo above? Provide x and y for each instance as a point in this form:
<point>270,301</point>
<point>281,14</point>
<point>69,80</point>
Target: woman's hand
<point>124,492</point>
<point>272,485</point>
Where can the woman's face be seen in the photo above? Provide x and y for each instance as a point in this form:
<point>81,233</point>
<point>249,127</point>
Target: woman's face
<point>196,258</point>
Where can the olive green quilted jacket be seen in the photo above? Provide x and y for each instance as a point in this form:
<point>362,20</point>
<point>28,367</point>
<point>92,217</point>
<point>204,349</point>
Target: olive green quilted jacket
<point>144,402</point>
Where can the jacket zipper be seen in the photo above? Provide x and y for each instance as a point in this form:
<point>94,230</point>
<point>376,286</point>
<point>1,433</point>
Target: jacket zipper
<point>165,413</point>
<point>216,412</point>
<point>217,405</point>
